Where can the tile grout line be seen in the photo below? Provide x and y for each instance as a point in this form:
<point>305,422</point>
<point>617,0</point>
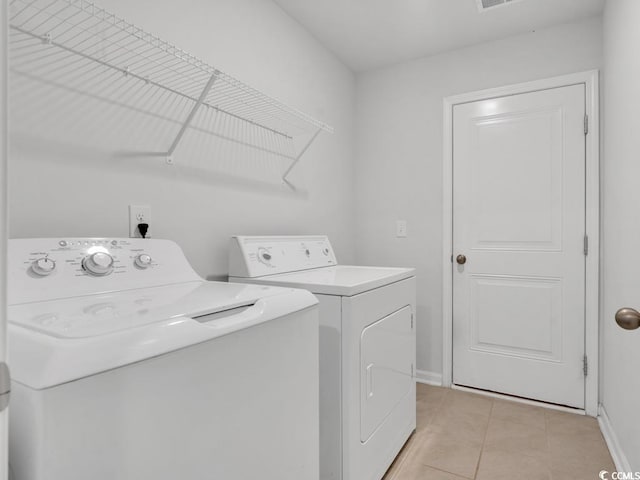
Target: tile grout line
<point>493,403</point>
<point>431,467</point>
<point>440,407</point>
<point>404,457</point>
<point>403,460</point>
<point>547,455</point>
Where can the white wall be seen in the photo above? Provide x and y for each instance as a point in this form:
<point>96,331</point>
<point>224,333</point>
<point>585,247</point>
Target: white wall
<point>60,190</point>
<point>399,149</point>
<point>621,230</point>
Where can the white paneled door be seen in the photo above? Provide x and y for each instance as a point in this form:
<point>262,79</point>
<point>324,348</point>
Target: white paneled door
<point>519,245</point>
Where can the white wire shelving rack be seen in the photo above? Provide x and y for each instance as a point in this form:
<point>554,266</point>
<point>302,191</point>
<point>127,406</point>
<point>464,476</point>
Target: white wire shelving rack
<point>77,45</point>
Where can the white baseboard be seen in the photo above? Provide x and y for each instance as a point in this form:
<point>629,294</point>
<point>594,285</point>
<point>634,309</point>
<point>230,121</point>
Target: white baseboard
<point>430,378</point>
<point>619,458</point>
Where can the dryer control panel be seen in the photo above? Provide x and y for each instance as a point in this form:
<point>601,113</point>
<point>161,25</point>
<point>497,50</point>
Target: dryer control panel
<point>50,268</point>
<point>251,257</point>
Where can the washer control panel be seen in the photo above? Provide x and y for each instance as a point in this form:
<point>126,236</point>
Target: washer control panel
<point>258,256</point>
<point>47,268</point>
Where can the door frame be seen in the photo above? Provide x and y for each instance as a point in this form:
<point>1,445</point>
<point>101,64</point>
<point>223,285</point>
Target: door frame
<point>592,218</point>
<point>4,158</point>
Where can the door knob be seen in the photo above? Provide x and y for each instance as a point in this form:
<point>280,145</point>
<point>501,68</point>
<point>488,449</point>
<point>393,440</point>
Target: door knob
<point>628,318</point>
<point>461,259</point>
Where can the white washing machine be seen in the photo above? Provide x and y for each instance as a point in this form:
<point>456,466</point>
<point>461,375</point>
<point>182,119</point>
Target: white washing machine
<point>127,365</point>
<point>367,347</point>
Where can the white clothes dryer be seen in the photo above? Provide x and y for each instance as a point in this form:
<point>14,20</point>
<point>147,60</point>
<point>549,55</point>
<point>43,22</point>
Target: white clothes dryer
<point>127,365</point>
<point>367,347</point>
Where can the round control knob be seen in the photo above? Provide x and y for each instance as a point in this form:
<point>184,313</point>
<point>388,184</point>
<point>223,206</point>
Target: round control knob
<point>43,266</point>
<point>143,260</point>
<point>99,263</point>
<point>264,256</point>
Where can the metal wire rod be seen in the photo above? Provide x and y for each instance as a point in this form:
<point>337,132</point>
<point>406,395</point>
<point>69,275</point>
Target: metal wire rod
<point>192,114</point>
<point>295,162</point>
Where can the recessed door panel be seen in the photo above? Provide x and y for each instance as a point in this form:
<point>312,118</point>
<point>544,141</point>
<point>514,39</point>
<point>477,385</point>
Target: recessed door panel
<point>386,348</point>
<point>523,148</point>
<point>527,326</point>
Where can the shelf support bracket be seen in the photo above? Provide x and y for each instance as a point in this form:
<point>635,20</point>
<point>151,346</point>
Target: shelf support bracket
<point>302,152</point>
<point>191,116</point>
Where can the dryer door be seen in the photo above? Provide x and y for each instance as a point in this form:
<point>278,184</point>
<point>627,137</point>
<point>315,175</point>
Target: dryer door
<point>386,362</point>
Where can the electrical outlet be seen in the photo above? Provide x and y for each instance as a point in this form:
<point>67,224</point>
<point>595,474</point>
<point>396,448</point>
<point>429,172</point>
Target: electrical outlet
<point>139,214</point>
<point>401,228</point>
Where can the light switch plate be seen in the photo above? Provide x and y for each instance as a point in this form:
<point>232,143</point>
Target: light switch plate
<point>401,228</point>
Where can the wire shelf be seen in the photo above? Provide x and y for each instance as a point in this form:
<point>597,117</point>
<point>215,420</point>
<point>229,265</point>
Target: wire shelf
<point>80,48</point>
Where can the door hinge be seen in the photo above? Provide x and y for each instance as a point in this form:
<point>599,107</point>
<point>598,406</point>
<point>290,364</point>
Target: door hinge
<point>412,376</point>
<point>586,245</point>
<point>585,365</point>
<point>412,321</point>
<point>586,124</point>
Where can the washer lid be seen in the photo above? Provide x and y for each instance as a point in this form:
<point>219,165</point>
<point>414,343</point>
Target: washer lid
<point>343,280</point>
<point>60,341</point>
<point>101,314</point>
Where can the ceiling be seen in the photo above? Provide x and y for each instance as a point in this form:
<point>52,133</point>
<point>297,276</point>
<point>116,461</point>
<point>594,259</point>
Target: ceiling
<point>366,34</point>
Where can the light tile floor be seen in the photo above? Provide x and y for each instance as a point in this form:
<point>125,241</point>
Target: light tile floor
<point>466,436</point>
